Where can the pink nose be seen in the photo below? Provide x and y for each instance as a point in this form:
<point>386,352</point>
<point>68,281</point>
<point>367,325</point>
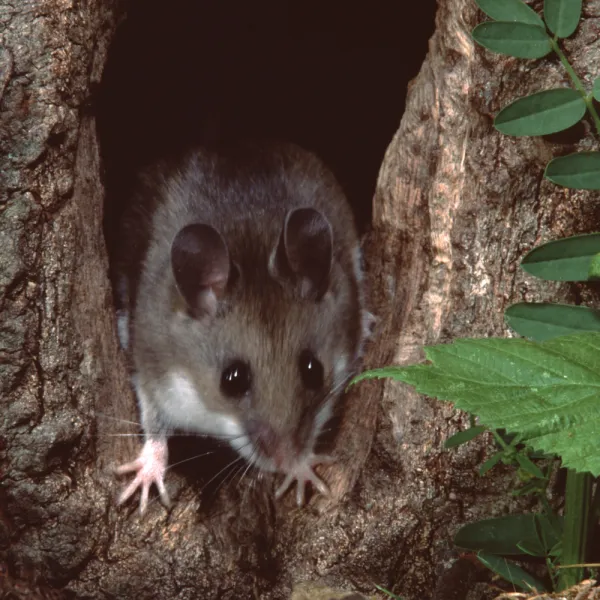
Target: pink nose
<point>278,448</point>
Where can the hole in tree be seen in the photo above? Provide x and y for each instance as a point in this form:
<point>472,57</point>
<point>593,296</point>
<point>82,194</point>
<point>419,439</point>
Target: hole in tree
<point>328,76</point>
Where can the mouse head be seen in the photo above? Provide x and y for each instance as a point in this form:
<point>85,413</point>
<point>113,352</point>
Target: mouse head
<point>272,335</point>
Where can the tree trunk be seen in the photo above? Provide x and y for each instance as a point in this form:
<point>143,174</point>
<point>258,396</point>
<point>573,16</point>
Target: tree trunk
<point>457,206</point>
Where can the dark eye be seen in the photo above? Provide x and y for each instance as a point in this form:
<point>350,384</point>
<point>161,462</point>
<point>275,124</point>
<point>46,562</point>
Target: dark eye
<point>311,370</point>
<point>236,379</point>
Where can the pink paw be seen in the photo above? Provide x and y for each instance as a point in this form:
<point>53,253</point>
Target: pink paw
<point>150,467</point>
<point>303,473</point>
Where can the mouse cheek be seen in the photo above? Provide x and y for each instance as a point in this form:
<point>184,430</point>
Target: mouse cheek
<point>312,428</point>
<point>243,406</point>
<point>341,368</point>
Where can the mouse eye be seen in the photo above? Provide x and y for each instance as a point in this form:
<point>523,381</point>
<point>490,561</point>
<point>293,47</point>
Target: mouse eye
<point>311,370</point>
<point>236,379</point>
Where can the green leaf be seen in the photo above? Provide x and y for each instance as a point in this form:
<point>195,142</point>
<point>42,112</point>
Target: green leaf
<point>543,321</point>
<point>594,270</point>
<point>548,392</point>
<point>550,527</point>
<point>509,439</point>
<point>562,16</point>
<point>382,373</point>
<point>576,539</point>
<point>535,486</point>
<point>556,551</point>
<point>526,549</point>
<point>563,260</point>
<point>596,89</point>
<point>529,466</point>
<point>388,593</point>
<point>510,10</point>
<point>504,535</point>
<point>521,40</point>
<point>512,572</point>
<point>542,113</point>
<point>464,436</point>
<point>537,455</point>
<point>580,170</point>
<point>490,463</point>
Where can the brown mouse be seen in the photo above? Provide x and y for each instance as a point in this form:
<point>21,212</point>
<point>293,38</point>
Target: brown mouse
<point>242,307</point>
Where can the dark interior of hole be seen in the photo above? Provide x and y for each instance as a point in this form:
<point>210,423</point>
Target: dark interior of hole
<point>330,76</point>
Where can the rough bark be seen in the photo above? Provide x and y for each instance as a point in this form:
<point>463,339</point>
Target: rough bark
<point>57,342</point>
<point>457,206</point>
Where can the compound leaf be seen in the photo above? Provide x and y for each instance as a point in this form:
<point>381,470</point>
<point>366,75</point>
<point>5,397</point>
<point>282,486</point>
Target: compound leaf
<point>542,113</point>
<point>521,40</point>
<point>568,259</point>
<point>548,392</point>
<point>596,89</point>
<point>543,321</point>
<point>562,16</point>
<point>510,10</point>
<point>580,170</point>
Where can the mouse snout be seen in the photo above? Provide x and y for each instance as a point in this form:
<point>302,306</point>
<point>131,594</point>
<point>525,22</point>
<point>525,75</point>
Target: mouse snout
<point>278,448</point>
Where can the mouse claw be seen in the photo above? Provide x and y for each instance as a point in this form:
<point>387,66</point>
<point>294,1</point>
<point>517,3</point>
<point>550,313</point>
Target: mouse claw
<point>150,467</point>
<point>304,473</point>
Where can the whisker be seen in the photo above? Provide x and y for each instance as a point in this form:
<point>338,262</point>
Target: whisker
<point>125,434</point>
<point>175,434</point>
<point>157,497</point>
<point>105,416</point>
<point>327,394</point>
<point>229,477</point>
<point>244,473</point>
<point>233,462</point>
<point>248,466</point>
<point>230,438</point>
<point>240,458</point>
<point>246,445</point>
<point>190,458</point>
<point>340,385</point>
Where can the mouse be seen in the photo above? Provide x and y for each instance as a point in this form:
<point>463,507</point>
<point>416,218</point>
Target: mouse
<point>241,308</point>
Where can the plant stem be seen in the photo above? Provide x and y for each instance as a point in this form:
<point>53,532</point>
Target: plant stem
<point>499,440</point>
<point>576,527</point>
<point>551,572</point>
<point>587,98</point>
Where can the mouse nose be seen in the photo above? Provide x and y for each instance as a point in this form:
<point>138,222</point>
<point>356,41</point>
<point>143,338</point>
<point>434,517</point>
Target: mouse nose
<point>271,444</point>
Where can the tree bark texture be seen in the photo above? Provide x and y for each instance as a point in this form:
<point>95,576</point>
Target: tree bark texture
<point>57,344</point>
<point>457,206</point>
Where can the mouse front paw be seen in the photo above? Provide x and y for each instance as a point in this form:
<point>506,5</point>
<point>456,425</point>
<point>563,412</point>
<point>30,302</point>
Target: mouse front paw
<point>303,473</point>
<point>150,468</point>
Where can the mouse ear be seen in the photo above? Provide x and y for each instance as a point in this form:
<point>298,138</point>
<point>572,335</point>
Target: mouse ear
<point>200,263</point>
<point>305,251</point>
